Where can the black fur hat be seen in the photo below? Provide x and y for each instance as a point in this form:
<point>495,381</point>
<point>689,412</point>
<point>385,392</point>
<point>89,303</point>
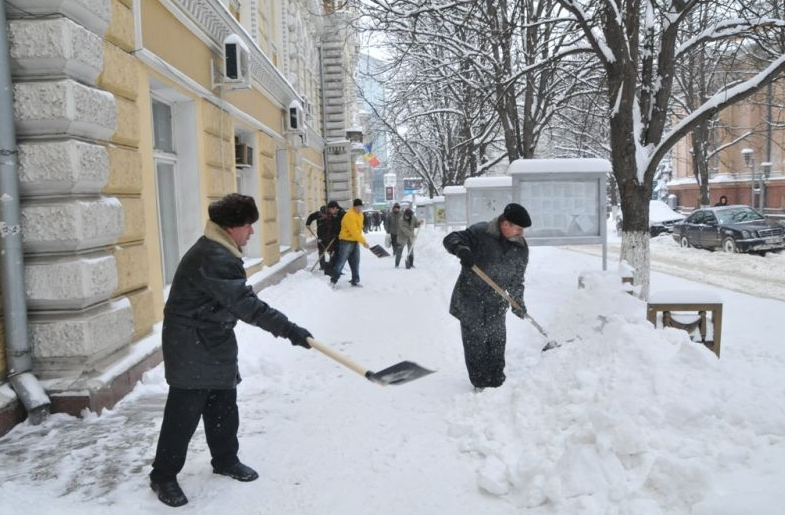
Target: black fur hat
<point>233,210</point>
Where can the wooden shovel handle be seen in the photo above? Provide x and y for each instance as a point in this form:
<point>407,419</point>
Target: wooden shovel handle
<point>337,356</point>
<point>477,270</point>
<point>322,253</point>
<point>506,296</point>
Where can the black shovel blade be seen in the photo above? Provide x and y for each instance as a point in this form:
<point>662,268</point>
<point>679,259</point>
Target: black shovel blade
<point>400,373</point>
<point>379,251</point>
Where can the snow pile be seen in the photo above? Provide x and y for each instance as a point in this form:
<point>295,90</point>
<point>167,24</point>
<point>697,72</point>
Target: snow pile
<point>627,415</point>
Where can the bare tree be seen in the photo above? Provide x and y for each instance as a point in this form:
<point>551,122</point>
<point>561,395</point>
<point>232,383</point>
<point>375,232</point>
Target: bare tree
<point>637,43</point>
<point>493,57</point>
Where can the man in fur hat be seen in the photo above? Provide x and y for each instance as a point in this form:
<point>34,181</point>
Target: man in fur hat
<point>208,296</point>
<point>498,249</point>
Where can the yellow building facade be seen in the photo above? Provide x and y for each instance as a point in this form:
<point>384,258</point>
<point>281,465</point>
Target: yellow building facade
<point>131,116</point>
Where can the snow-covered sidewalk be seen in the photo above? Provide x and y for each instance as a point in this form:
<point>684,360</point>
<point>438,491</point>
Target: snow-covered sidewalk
<point>624,419</point>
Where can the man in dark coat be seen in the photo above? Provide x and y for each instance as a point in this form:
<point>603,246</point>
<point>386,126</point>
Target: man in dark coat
<point>326,243</point>
<point>498,249</point>
<point>208,296</point>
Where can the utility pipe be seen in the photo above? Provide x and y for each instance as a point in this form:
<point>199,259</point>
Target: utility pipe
<point>17,348</point>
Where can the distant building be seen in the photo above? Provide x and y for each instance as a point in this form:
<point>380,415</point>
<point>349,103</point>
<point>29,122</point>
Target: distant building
<point>762,179</point>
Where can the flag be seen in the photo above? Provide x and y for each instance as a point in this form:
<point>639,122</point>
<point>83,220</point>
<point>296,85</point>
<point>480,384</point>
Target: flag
<point>369,156</point>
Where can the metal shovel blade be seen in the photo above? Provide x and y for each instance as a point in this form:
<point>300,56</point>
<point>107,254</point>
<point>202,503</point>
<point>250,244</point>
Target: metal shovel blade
<point>401,373</point>
<point>379,251</point>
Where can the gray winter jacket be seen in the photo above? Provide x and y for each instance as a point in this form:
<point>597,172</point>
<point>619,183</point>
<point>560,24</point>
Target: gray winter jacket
<point>503,260</point>
<point>406,230</point>
<point>208,295</point>
<point>392,222</point>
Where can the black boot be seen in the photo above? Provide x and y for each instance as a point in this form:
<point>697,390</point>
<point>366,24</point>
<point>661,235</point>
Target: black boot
<point>169,492</point>
<point>238,471</point>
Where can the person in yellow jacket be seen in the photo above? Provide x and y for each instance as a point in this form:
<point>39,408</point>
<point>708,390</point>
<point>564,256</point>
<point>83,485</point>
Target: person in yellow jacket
<point>349,240</point>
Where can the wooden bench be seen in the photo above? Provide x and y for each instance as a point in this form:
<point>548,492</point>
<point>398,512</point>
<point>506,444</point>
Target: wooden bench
<point>698,313</point>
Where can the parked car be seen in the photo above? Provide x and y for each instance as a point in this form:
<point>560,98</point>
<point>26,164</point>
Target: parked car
<point>735,228</point>
<point>661,218</point>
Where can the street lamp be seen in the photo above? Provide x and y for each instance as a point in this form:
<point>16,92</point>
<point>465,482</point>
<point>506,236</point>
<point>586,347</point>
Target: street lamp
<point>749,161</point>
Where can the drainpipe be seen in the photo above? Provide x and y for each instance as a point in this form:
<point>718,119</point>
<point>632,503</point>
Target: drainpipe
<point>17,348</point>
<point>324,121</point>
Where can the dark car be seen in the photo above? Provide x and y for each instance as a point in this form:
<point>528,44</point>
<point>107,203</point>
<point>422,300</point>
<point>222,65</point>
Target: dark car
<point>735,228</point>
<point>661,218</point>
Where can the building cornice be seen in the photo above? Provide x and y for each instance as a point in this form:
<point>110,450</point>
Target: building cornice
<point>212,23</point>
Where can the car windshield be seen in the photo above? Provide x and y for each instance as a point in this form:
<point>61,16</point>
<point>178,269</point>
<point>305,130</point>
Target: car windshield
<point>738,214</point>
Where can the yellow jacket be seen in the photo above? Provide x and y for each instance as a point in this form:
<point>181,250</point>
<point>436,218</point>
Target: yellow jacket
<point>352,227</point>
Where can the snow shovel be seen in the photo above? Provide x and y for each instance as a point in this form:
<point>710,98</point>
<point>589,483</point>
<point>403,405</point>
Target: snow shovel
<point>400,373</point>
<point>325,251</point>
<point>551,344</point>
<point>411,247</point>
<point>379,251</point>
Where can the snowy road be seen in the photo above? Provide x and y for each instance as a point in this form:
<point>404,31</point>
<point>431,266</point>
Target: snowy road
<point>762,276</point>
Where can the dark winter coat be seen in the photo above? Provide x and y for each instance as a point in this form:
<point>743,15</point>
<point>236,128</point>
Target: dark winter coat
<point>323,226</point>
<point>392,222</point>
<point>335,226</point>
<point>503,260</point>
<point>208,295</point>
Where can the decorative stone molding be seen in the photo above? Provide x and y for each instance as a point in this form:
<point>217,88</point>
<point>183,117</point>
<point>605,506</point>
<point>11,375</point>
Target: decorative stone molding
<point>71,341</point>
<point>92,14</point>
<point>62,167</point>
<point>64,107</point>
<point>72,282</point>
<point>64,225</point>
<point>217,23</point>
<point>54,47</point>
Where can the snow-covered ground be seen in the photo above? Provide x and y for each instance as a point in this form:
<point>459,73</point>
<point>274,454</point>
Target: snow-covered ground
<point>622,419</point>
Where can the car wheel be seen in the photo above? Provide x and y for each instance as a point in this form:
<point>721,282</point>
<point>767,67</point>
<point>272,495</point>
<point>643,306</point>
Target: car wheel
<point>685,242</point>
<point>729,245</point>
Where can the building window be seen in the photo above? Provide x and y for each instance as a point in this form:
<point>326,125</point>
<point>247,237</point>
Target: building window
<point>163,137</point>
<point>176,176</point>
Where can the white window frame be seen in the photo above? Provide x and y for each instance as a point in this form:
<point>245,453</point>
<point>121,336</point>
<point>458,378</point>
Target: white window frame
<point>188,223</point>
<point>283,199</point>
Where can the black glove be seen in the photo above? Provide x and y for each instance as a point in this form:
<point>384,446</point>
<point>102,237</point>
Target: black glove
<point>297,335</point>
<point>466,257</point>
<point>520,313</point>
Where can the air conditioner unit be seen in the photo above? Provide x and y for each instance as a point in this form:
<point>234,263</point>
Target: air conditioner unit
<point>243,155</point>
<point>308,109</point>
<point>295,119</point>
<point>236,61</point>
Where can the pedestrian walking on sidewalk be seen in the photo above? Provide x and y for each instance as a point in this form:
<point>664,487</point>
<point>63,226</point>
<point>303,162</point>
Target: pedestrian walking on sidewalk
<point>392,224</point>
<point>208,296</point>
<point>498,249</point>
<point>349,241</point>
<point>406,237</point>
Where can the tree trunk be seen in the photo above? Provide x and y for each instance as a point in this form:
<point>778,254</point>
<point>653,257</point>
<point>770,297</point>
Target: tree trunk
<point>700,159</point>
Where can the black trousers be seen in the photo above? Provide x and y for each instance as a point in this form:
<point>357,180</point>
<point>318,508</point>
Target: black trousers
<point>184,409</point>
<point>483,350</point>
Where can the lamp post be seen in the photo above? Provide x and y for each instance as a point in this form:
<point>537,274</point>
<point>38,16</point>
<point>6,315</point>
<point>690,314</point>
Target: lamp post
<point>749,160</point>
<point>764,177</point>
